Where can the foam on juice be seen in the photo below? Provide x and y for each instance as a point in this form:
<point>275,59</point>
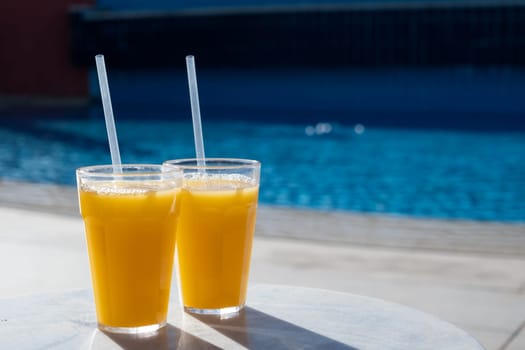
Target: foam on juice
<point>118,188</point>
<point>217,182</point>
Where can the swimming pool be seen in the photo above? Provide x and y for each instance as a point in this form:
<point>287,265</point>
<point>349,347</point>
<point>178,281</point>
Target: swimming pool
<point>418,172</point>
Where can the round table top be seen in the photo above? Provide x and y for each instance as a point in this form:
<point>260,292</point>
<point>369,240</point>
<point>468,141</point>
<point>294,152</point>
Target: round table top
<point>276,317</point>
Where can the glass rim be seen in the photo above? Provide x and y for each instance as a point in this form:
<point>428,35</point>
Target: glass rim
<point>138,170</point>
<point>220,163</point>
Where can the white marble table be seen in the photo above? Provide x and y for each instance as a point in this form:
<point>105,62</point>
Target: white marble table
<point>276,317</point>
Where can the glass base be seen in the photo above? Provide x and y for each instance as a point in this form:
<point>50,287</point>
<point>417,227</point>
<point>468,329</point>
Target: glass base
<point>221,312</point>
<point>141,330</point>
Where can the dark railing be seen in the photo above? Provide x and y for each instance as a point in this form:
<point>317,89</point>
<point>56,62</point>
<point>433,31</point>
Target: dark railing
<point>487,34</point>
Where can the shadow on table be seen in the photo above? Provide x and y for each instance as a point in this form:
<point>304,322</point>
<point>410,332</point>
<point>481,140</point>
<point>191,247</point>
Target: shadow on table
<point>256,330</point>
<point>167,338</point>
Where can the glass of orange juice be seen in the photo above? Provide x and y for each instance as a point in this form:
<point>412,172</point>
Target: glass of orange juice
<point>130,215</point>
<point>215,232</point>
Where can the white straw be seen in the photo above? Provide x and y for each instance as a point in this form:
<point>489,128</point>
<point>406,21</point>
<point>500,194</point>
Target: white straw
<point>195,110</point>
<point>108,112</point>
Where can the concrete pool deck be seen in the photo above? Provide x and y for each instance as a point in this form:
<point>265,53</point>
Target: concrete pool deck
<point>469,273</point>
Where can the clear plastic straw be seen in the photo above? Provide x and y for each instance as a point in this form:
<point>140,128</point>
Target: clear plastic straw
<point>195,110</point>
<point>108,112</point>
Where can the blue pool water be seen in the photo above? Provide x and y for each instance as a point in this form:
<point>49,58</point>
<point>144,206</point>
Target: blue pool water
<point>441,143</point>
<point>417,172</point>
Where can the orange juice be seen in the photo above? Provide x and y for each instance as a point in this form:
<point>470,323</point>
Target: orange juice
<point>130,230</point>
<point>214,240</point>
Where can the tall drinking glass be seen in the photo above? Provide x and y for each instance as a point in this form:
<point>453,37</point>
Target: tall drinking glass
<point>130,215</point>
<point>215,232</point>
